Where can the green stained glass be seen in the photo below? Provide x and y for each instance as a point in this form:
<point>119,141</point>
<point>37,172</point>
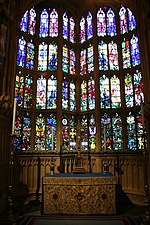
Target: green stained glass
<point>83,94</point>
<point>117,132</point>
<point>128,82</point>
<point>72,133</point>
<point>40,133</point>
<point>115,92</point>
<point>84,133</point>
<point>131,132</point>
<point>51,132</point>
<point>28,91</point>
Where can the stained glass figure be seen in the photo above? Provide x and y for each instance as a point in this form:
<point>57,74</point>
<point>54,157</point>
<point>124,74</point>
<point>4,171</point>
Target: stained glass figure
<point>83,62</point>
<point>30,55</point>
<point>140,135</point>
<point>42,57</point>
<point>72,30</point>
<point>115,92</point>
<point>52,93</point>
<point>21,52</point>
<point>113,56</point>
<point>28,91</point>
<point>72,62</point>
<point>44,20</point>
<point>32,21</point>
<point>65,60</point>
<point>131,20</point>
<point>65,26</point>
<point>53,57</point>
<point>84,133</point>
<point>65,94</point>
<point>72,96</point>
<point>17,145</point>
<point>90,59</point>
<point>102,56</point>
<point>106,132</point>
<point>51,132</point>
<point>92,133</point>
<point>104,92</point>
<point>24,22</point>
<point>117,132</point>
<point>91,93</point>
<point>123,20</point>
<point>89,27</point>
<point>41,93</point>
<point>138,88</point>
<point>101,23</point>
<point>83,96</point>
<point>126,54</point>
<point>135,52</point>
<point>128,82</point>
<point>40,133</point>
<point>131,132</point>
<point>111,23</point>
<point>19,88</point>
<point>53,27</point>
<point>82,30</point>
<point>72,133</point>
<point>26,133</point>
<point>65,133</point>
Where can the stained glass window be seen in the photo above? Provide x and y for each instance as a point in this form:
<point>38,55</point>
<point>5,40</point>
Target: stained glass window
<point>83,96</point>
<point>128,81</point>
<point>126,54</point>
<point>21,52</point>
<point>92,133</point>
<point>65,93</point>
<point>135,53</point>
<point>32,21</point>
<point>53,27</point>
<point>91,93</point>
<point>72,96</point>
<point>72,30</point>
<point>24,22</point>
<point>111,23</point>
<point>65,26</point>
<point>82,30</point>
<point>123,20</point>
<point>131,132</point>
<point>101,23</point>
<point>40,133</point>
<point>83,62</point>
<point>131,20</point>
<point>113,56</point>
<point>42,57</point>
<point>19,88</point>
<point>84,133</point>
<point>53,57</point>
<point>104,92</point>
<point>138,88</point>
<point>90,59</point>
<point>117,132</point>
<point>30,55</point>
<point>89,28</point>
<point>65,133</point>
<point>41,93</point>
<point>52,93</point>
<point>44,20</point>
<point>28,91</point>
<point>72,133</point>
<point>102,56</point>
<point>106,132</point>
<point>51,132</point>
<point>72,62</point>
<point>65,60</point>
<point>115,92</point>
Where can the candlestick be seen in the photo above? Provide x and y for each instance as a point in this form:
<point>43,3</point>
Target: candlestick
<point>14,115</point>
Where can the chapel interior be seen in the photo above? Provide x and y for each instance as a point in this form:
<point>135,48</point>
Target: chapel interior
<point>74,84</point>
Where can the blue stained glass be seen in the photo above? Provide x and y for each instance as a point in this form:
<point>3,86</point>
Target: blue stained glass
<point>90,59</point>
<point>131,132</point>
<point>65,26</point>
<point>131,20</point>
<point>89,29</point>
<point>53,57</point>
<point>44,24</point>
<point>65,94</point>
<point>24,22</point>
<point>111,23</point>
<point>21,52</point>
<point>102,56</point>
<point>123,20</point>
<point>72,30</point>
<point>32,21</point>
<point>72,62</point>
<point>104,92</point>
<point>52,93</point>
<point>101,23</point>
<point>83,62</point>
<point>82,30</point>
<point>30,55</point>
<point>53,29</point>
<point>126,54</point>
<point>72,96</point>
<point>42,57</point>
<point>41,93</point>
<point>65,60</point>
<point>135,53</point>
<point>51,132</point>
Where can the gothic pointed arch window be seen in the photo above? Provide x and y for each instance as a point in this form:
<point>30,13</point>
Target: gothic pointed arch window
<point>84,68</point>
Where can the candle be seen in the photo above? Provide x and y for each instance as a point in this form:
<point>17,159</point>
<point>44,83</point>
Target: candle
<point>14,115</point>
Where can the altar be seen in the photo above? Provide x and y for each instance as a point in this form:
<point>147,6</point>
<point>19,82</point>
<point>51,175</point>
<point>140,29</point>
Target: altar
<point>79,194</point>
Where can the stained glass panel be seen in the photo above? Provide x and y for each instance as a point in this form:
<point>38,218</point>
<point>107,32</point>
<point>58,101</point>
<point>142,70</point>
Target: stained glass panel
<point>115,92</point>
<point>17,145</point>
<point>65,26</point>
<point>131,132</point>
<point>52,93</point>
<point>126,54</point>
<point>28,92</point>
<point>90,59</point>
<point>128,82</point>
<point>42,57</point>
<point>51,132</point>
<point>72,30</point>
<point>138,88</point>
<point>113,56</point>
<point>53,57</point>
<point>82,30</point>
<point>83,62</point>
<point>102,56</point>
<point>65,94</point>
<point>104,92</point>
<point>140,136</point>
<point>41,93</point>
<point>72,96</point>
<point>111,23</point>
<point>26,132</point>
<point>117,132</point>
<point>89,28</point>
<point>92,133</point>
<point>72,60</point>
<point>106,132</point>
<point>123,20</point>
<point>21,52</point>
<point>131,20</point>
<point>83,100</point>
<point>84,133</point>
<point>91,94</point>
<point>32,21</point>
<point>72,133</point>
<point>24,22</point>
<point>44,20</point>
<point>65,60</point>
<point>135,53</point>
<point>30,55</point>
<point>101,23</point>
<point>53,27</point>
<point>40,133</point>
<point>19,88</point>
<point>65,133</point>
